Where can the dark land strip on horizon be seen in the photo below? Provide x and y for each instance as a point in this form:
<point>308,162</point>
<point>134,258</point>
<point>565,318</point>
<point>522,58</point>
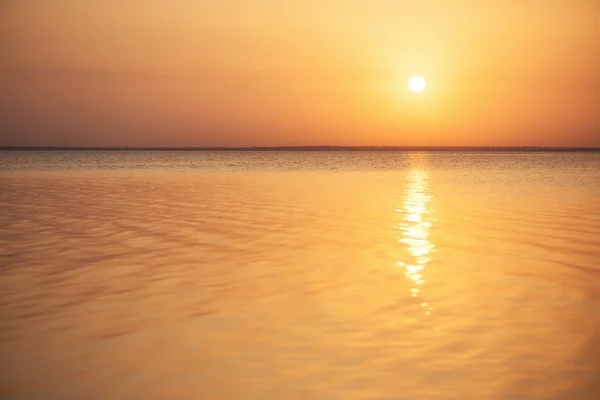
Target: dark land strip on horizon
<point>312,148</point>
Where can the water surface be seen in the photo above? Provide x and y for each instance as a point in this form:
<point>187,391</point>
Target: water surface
<point>276,275</point>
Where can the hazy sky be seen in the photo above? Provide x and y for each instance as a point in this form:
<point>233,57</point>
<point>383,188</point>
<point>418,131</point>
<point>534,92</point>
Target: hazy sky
<point>299,72</point>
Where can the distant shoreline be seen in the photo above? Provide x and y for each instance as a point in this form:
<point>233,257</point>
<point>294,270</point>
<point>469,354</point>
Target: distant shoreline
<point>316,148</point>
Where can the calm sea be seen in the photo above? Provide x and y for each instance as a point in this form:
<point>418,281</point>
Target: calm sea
<point>298,275</point>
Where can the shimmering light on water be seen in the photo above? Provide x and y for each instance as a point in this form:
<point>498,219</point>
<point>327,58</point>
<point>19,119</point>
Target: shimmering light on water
<point>417,220</point>
<point>141,275</point>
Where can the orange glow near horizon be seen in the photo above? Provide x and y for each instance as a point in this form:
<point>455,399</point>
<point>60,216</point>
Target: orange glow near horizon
<point>266,73</point>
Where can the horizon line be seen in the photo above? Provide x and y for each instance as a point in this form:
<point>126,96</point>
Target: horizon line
<point>301,148</point>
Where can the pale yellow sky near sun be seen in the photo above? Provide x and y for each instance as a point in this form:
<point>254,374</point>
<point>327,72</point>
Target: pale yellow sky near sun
<point>266,72</point>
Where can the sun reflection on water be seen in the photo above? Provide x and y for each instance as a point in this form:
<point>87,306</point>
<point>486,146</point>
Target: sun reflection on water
<point>417,220</point>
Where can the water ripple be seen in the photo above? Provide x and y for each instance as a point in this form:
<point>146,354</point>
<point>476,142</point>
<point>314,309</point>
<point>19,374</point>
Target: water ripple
<point>275,276</point>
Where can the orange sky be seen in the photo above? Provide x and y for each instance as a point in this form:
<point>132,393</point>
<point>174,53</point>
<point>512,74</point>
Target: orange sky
<point>299,72</point>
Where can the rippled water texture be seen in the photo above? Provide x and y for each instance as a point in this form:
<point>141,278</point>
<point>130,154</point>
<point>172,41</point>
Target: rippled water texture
<point>133,275</point>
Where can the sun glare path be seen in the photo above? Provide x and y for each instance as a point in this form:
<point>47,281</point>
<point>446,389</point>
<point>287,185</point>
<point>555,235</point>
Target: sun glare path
<point>415,225</point>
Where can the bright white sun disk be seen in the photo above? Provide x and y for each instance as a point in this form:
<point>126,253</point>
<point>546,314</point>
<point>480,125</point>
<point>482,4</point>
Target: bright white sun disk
<point>416,84</point>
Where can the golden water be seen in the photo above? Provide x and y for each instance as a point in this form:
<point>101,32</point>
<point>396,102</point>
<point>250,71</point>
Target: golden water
<point>299,276</point>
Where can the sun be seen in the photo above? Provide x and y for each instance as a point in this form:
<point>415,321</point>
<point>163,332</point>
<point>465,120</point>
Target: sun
<point>417,84</point>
